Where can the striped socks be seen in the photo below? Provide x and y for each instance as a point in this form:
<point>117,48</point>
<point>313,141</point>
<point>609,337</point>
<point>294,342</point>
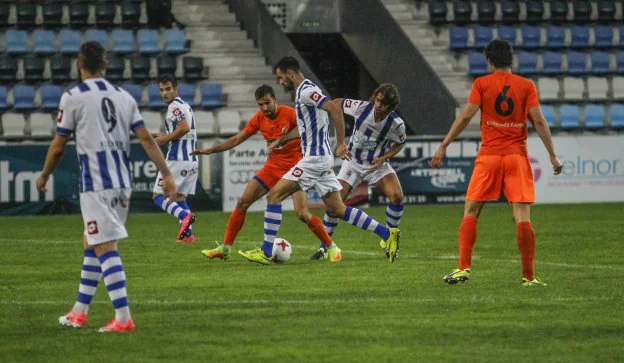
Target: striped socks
<point>360,219</point>
<point>171,207</point>
<point>394,212</point>
<point>115,280</point>
<point>272,221</point>
<point>89,278</point>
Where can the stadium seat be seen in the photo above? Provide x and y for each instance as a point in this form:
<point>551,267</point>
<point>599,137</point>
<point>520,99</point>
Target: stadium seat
<point>555,37</point>
<point>26,14</point>
<point>44,42</point>
<point>508,33</point>
<point>166,64</point>
<point>548,88</point>
<point>552,63</point>
<point>211,95</point>
<point>130,14</point>
<point>229,122</point>
<point>23,97</point>
<point>153,121</point>
<point>531,37</point>
<point>582,11</point>
<point>148,41</point>
<point>482,35</point>
<point>579,36</point>
<point>52,14</point>
<point>597,88</point>
<point>97,35</point>
<point>604,36</point>
<point>204,123</point>
<point>60,68</point>
<point>41,125</point>
<point>458,37</point>
<point>70,41</point>
<point>136,91</point>
<point>527,63</point>
<point>123,41</point>
<point>594,116</point>
<point>187,93</point>
<point>13,125</point>
<point>486,10</point>
<point>573,88</point>
<point>4,15</point>
<point>16,42</point>
<point>549,114</point>
<point>462,11</point>
<point>8,69</point>
<point>193,68</point>
<point>569,117</point>
<point>175,41</point>
<point>140,68</point>
<point>619,62</point>
<point>534,11</point>
<point>606,10</point>
<point>601,63</point>
<point>617,116</point>
<point>153,97</point>
<point>104,14</point>
<point>34,66</point>
<point>618,88</point>
<point>477,64</point>
<point>4,105</point>
<point>50,96</point>
<point>511,11</point>
<point>78,14</point>
<point>558,11</point>
<point>576,63</point>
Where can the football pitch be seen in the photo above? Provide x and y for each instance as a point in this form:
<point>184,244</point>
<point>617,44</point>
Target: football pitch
<point>363,309</point>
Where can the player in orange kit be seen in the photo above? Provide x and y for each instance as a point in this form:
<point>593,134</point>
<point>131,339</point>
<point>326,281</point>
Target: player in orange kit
<point>273,121</point>
<point>506,102</point>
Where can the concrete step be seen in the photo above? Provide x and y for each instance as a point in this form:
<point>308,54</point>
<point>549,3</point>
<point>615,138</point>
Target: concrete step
<point>200,45</point>
<point>240,72</point>
<point>213,61</point>
<point>203,33</point>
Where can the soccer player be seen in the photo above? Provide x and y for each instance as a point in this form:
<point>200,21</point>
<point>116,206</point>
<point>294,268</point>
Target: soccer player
<point>101,116</point>
<point>273,121</point>
<point>315,169</point>
<point>378,135</point>
<point>182,139</point>
<point>505,100</point>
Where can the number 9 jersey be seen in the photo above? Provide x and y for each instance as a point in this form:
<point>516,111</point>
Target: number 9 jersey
<point>101,116</point>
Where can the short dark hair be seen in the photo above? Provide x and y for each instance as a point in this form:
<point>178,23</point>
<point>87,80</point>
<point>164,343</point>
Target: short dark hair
<point>287,63</point>
<point>264,90</point>
<point>390,93</point>
<point>92,56</point>
<point>499,52</point>
<point>168,78</point>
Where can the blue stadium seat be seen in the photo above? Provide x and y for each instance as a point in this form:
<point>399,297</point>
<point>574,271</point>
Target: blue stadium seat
<point>601,63</point>
<point>508,33</point>
<point>617,116</point>
<point>569,117</point>
<point>477,64</point>
<point>16,42</point>
<point>552,63</point>
<point>619,62</point>
<point>482,35</point>
<point>153,97</point>
<point>123,41</point>
<point>187,93</point>
<point>70,41</point>
<point>604,36</point>
<point>148,41</point>
<point>43,42</point>
<point>97,35</point>
<point>210,95</point>
<point>530,37</point>
<point>580,36</point>
<point>458,38</point>
<point>136,91</point>
<point>576,63</point>
<point>3,99</point>
<point>175,41</point>
<point>549,114</point>
<point>555,37</point>
<point>527,63</point>
<point>24,97</point>
<point>50,95</point>
<point>594,116</point>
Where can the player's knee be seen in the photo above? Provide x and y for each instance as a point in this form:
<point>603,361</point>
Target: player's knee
<point>396,198</point>
<point>303,215</point>
<point>272,198</point>
<point>242,204</point>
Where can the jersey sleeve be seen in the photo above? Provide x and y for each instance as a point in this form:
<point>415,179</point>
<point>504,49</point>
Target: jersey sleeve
<point>252,126</point>
<point>398,134</point>
<point>475,93</point>
<point>177,114</point>
<point>65,122</point>
<point>313,96</point>
<point>137,119</point>
<point>350,107</point>
<point>532,97</point>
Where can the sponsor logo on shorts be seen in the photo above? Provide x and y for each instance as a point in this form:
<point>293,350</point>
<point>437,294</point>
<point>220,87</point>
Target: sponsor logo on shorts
<point>186,173</point>
<point>92,227</point>
<point>123,203</point>
<point>297,172</point>
<point>537,170</point>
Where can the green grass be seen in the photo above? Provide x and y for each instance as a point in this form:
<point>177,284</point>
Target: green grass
<point>188,308</point>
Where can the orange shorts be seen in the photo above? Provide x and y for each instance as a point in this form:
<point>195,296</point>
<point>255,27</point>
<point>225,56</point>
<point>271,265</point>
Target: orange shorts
<point>269,175</point>
<point>512,173</point>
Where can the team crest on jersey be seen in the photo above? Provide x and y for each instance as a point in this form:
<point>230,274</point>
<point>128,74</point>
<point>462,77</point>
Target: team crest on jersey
<point>60,116</point>
<point>315,96</point>
<point>351,103</point>
<point>92,227</point>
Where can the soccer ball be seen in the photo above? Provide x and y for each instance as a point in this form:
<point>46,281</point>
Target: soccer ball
<point>281,250</point>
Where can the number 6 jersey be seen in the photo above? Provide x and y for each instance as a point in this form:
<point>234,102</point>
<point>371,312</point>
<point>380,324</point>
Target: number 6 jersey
<point>101,116</point>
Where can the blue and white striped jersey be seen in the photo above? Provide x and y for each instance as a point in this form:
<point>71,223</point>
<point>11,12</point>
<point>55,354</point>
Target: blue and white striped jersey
<point>101,116</point>
<point>371,139</point>
<point>180,149</point>
<point>312,121</point>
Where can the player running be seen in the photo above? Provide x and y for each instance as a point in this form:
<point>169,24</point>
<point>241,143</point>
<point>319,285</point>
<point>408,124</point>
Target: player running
<point>315,169</point>
<point>378,135</point>
<point>101,116</point>
<point>182,139</point>
<point>273,121</point>
<point>505,100</point>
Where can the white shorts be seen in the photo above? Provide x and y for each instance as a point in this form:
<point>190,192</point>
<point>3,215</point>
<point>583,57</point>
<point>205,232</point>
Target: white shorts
<point>184,174</point>
<point>315,171</point>
<point>104,214</point>
<point>353,172</point>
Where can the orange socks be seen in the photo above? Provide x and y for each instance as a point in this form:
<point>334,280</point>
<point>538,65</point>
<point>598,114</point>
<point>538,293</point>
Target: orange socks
<point>316,226</point>
<point>467,239</point>
<point>526,244</point>
<point>235,223</point>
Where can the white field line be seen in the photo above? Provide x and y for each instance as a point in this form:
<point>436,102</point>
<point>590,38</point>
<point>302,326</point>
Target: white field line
<point>346,253</point>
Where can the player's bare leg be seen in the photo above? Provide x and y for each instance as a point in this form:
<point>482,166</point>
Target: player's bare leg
<point>390,186</point>
<point>467,240</point>
<point>330,221</point>
<point>300,201</point>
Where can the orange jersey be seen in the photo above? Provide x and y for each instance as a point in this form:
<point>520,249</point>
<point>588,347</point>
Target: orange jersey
<point>273,129</point>
<point>505,100</point>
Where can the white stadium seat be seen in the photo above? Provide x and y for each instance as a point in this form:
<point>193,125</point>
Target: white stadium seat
<point>204,122</point>
<point>153,121</point>
<point>41,125</point>
<point>229,121</point>
<point>13,125</point>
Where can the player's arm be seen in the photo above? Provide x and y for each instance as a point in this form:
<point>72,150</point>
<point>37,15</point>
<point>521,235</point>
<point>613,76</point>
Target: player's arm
<point>291,135</point>
<point>543,130</point>
<point>182,129</point>
<point>53,158</point>
<point>155,154</point>
<point>460,123</point>
<point>228,144</point>
<point>337,116</point>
